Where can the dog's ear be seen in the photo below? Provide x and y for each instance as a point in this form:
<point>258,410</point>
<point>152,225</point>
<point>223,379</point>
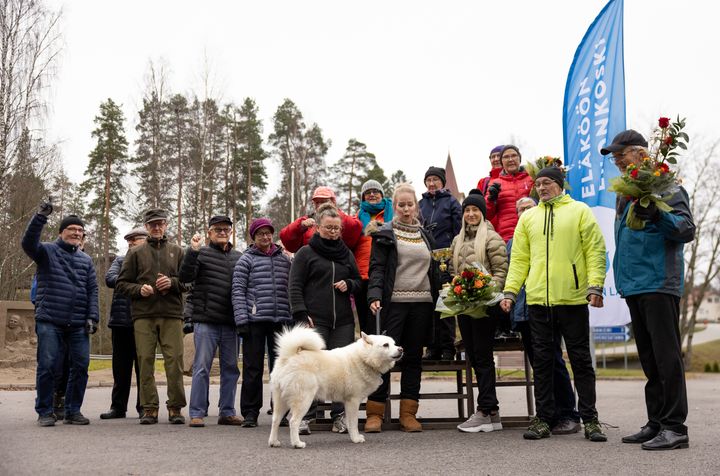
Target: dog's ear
<point>366,338</point>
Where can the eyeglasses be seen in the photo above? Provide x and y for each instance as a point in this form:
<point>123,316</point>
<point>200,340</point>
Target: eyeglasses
<point>223,230</point>
<point>372,191</point>
<point>510,156</point>
<point>263,233</point>
<point>331,228</point>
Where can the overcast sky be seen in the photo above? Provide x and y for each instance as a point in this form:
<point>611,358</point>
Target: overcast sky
<point>411,79</point>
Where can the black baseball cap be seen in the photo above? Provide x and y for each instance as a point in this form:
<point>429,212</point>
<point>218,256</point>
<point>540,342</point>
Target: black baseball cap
<point>624,139</point>
<point>219,219</point>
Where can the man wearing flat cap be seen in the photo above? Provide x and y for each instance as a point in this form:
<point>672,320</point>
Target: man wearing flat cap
<point>649,270</point>
<point>149,277</point>
<point>210,271</point>
<point>124,355</point>
<point>66,313</point>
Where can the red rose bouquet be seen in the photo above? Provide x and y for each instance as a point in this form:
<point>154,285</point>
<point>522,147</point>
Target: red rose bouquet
<point>469,293</point>
<point>652,180</point>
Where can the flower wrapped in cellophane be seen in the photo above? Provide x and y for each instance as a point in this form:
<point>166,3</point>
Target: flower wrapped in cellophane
<point>470,293</point>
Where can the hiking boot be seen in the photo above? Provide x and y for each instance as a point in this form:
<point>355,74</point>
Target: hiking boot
<point>233,420</point>
<point>566,427</point>
<point>112,413</point>
<point>196,422</point>
<point>339,425</point>
<point>538,429</point>
<point>150,417</point>
<point>593,432</point>
<point>175,417</point>
<point>305,427</point>
<point>47,420</point>
<point>478,422</point>
<point>76,419</point>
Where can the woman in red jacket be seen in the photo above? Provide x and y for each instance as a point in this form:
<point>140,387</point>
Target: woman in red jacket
<point>512,184</point>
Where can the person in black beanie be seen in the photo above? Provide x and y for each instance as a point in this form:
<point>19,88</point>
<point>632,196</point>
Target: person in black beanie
<point>323,275</point>
<point>441,216</point>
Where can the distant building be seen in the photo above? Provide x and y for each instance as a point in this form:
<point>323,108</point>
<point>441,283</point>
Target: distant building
<point>709,310</point>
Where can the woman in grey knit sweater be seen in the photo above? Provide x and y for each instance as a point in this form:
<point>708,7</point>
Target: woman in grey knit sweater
<point>403,285</point>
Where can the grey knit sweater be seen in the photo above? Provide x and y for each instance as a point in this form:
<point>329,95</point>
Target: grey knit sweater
<point>411,278</point>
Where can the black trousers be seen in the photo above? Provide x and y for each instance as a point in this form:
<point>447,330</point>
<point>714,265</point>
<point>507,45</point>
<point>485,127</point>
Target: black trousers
<point>479,336</point>
<point>124,356</point>
<point>547,325</point>
<point>655,320</point>
<point>408,324</point>
<point>365,318</point>
<point>261,336</point>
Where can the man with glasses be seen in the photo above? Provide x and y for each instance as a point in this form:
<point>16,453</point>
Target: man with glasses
<point>66,313</point>
<point>149,277</point>
<point>649,270</point>
<point>559,254</point>
<point>210,271</point>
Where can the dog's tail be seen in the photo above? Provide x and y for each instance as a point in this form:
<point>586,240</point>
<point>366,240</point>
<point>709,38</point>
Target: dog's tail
<point>292,340</point>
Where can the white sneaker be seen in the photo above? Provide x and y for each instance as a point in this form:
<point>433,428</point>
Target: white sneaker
<point>477,422</point>
<point>496,422</point>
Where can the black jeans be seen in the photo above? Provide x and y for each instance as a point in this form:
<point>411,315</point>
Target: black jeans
<point>366,319</point>
<point>261,336</point>
<point>562,387</point>
<point>338,337</point>
<point>547,325</point>
<point>124,357</point>
<point>655,321</point>
<point>408,324</point>
<point>479,336</point>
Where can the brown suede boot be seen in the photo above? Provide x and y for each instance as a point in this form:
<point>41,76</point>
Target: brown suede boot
<point>408,410</point>
<point>375,412</point>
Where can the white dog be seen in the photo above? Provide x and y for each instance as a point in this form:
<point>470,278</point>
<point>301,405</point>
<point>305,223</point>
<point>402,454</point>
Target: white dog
<point>304,372</point>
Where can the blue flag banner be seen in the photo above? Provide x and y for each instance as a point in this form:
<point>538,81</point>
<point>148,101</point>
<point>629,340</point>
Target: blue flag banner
<point>593,113</point>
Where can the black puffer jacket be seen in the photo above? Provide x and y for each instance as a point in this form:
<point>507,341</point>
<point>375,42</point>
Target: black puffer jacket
<point>120,309</point>
<point>311,287</point>
<point>210,269</point>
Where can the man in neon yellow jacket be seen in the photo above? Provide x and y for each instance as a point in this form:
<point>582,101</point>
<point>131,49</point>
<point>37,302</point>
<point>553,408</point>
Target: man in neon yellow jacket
<point>559,254</point>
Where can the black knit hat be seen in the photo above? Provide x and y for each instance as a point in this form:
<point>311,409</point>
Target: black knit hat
<point>475,197</point>
<point>553,173</point>
<point>70,220</point>
<point>436,171</point>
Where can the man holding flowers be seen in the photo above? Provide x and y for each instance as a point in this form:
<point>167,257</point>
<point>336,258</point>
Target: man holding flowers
<point>559,253</point>
<point>649,271</point>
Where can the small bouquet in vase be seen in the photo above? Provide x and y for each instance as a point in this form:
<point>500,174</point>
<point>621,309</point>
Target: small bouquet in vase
<point>652,180</point>
<point>470,293</point>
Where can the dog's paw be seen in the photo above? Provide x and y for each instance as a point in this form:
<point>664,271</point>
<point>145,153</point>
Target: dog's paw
<point>299,445</point>
<point>274,444</point>
<point>358,439</point>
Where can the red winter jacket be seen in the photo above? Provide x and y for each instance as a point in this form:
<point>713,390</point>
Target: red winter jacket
<point>503,214</point>
<point>484,182</point>
<point>295,236</point>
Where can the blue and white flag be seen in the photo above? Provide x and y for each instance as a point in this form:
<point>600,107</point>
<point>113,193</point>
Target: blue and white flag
<point>593,113</point>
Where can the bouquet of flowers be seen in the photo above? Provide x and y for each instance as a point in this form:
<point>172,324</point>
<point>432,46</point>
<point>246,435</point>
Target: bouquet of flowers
<point>651,180</point>
<point>533,168</point>
<point>469,293</point>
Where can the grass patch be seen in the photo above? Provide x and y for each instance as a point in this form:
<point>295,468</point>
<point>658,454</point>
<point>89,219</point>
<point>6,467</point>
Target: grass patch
<point>97,364</point>
<point>707,353</point>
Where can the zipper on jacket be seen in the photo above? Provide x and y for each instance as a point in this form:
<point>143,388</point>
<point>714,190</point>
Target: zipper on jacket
<point>332,286</point>
<point>547,259</point>
<point>274,287</point>
<point>577,284</point>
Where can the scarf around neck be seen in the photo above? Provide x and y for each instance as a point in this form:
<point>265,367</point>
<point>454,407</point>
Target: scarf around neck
<point>479,244</point>
<point>369,210</point>
<point>334,250</point>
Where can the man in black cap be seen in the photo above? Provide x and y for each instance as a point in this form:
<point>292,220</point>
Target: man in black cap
<point>66,313</point>
<point>124,355</point>
<point>149,277</point>
<point>210,270</point>
<point>649,270</point>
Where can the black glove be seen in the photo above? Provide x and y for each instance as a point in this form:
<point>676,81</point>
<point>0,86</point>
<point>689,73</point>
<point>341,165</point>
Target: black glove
<point>494,191</point>
<point>90,327</point>
<point>302,317</point>
<point>650,213</point>
<point>188,327</point>
<point>243,330</point>
<point>45,209</point>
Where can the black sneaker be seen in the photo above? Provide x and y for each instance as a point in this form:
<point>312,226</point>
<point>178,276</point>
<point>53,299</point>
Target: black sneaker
<point>112,414</point>
<point>593,432</point>
<point>250,422</point>
<point>47,420</point>
<point>538,429</point>
<point>76,419</point>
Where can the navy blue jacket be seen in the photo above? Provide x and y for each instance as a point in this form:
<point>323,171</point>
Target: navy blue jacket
<point>260,287</point>
<point>210,270</point>
<point>441,215</point>
<point>651,260</point>
<point>120,308</point>
<point>67,291</point>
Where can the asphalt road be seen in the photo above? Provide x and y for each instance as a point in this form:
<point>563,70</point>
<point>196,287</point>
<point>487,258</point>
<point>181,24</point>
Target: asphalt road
<point>123,447</point>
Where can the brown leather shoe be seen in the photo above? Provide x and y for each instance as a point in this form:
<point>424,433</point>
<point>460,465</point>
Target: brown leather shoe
<point>175,417</point>
<point>375,412</point>
<point>230,420</point>
<point>408,410</point>
<point>197,422</point>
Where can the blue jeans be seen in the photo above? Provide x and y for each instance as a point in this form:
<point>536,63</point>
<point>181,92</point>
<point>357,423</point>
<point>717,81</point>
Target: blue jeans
<point>208,337</point>
<point>52,342</point>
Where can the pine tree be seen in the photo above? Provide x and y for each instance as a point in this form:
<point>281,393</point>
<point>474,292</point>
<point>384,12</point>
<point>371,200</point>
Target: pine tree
<point>178,151</point>
<point>105,174</point>
<point>350,172</point>
<point>395,179</point>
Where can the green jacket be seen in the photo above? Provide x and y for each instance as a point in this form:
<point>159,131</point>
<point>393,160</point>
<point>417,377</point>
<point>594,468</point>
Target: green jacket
<point>141,266</point>
<point>558,253</point>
